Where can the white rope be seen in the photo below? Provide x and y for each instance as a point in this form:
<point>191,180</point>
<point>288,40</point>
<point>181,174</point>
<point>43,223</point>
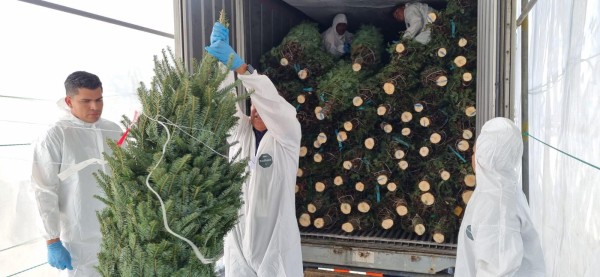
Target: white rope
<point>162,204</point>
<point>179,127</point>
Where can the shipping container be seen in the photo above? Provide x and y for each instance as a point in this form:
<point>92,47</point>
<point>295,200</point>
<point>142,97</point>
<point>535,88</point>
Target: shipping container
<point>259,25</point>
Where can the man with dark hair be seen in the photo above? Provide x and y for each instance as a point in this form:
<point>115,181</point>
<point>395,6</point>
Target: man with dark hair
<point>266,239</point>
<point>416,17</point>
<point>64,159</point>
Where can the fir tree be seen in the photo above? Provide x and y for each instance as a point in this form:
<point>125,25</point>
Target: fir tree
<point>178,147</point>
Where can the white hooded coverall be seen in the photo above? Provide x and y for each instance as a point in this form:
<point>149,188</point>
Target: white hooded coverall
<point>332,41</point>
<point>67,208</point>
<point>497,236</point>
<point>416,17</point>
<point>266,240</point>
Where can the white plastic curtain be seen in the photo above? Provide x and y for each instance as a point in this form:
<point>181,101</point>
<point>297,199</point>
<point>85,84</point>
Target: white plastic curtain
<point>564,128</point>
<point>40,47</point>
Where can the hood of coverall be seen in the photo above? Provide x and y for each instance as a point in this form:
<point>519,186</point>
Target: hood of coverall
<point>340,18</point>
<point>498,155</point>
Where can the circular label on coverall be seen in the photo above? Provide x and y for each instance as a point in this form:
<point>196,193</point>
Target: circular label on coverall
<point>265,160</point>
<point>469,233</point>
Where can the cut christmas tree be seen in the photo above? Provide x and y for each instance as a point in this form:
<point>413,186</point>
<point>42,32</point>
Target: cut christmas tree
<point>174,175</point>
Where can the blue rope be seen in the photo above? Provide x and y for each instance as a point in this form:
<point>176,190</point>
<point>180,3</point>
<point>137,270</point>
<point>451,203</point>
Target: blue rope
<point>453,27</point>
<point>340,146</point>
<point>367,163</point>
<point>457,154</point>
<point>378,193</point>
<point>563,152</point>
<point>399,140</point>
<point>308,89</point>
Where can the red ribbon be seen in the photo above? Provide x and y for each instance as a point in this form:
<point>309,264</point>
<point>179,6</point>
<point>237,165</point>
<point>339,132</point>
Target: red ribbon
<point>124,136</point>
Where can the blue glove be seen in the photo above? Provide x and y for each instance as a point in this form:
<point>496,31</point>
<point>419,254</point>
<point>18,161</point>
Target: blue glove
<point>346,48</point>
<point>222,51</point>
<point>58,256</point>
<point>219,32</point>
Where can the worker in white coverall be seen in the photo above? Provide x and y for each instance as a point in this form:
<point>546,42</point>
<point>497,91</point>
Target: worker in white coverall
<point>266,241</point>
<point>497,236</point>
<point>416,18</point>
<point>336,39</point>
<point>63,186</point>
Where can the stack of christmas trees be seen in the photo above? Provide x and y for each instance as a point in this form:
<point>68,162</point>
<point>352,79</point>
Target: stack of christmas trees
<point>386,143</point>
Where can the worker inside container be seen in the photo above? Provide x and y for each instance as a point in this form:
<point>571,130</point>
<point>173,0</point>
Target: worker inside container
<point>416,18</point>
<point>497,236</point>
<point>336,39</point>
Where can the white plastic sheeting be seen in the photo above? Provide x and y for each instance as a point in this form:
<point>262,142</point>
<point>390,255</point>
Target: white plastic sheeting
<point>40,47</point>
<point>564,112</point>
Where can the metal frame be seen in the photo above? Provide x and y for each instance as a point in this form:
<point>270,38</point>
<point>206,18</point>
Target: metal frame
<point>383,258</point>
<point>384,251</point>
<point>523,22</point>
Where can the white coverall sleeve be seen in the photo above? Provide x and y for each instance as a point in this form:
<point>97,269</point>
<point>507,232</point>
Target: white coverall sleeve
<point>279,115</point>
<point>45,183</point>
<point>414,21</point>
<point>499,250</point>
<point>349,37</point>
<point>239,112</point>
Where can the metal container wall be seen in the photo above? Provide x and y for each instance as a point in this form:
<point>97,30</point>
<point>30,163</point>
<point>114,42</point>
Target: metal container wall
<point>256,26</point>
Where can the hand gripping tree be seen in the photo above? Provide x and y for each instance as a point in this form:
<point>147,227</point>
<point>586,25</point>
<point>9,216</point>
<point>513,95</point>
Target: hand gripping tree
<point>177,151</point>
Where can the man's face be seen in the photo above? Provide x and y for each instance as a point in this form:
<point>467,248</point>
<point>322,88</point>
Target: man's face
<point>340,28</point>
<point>87,104</point>
<point>256,121</point>
<point>399,14</point>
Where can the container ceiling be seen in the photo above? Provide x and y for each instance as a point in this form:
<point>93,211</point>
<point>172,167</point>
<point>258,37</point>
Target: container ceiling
<point>376,12</point>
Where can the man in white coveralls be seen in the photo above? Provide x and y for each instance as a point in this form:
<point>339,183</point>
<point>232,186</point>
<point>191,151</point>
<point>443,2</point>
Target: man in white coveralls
<point>336,39</point>
<point>64,193</point>
<point>266,241</point>
<point>497,236</point>
<point>416,17</point>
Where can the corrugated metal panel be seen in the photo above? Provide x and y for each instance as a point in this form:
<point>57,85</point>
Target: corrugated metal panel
<point>495,71</point>
<point>487,65</point>
<point>194,21</point>
<point>255,25</point>
<point>266,22</point>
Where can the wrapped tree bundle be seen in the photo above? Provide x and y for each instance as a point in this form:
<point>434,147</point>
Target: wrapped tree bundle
<point>367,47</point>
<point>337,89</point>
<point>299,56</point>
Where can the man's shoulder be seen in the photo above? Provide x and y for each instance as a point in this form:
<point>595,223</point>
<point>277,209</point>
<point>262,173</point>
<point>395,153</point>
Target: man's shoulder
<point>110,124</point>
<point>417,5</point>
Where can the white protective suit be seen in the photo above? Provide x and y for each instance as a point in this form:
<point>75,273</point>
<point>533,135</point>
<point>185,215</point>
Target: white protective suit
<point>68,208</point>
<point>332,41</point>
<point>266,240</point>
<point>497,236</point>
<point>416,19</point>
